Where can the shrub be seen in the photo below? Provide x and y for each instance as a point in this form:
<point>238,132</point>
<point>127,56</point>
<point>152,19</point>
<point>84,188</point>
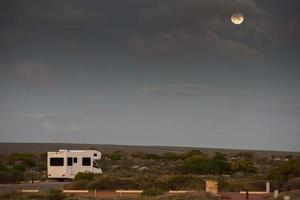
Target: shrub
<point>293,184</point>
<point>170,156</point>
<point>153,156</point>
<point>29,162</point>
<point>27,159</point>
<point>151,181</point>
<point>116,155</point>
<point>153,191</point>
<point>11,176</point>
<point>285,171</point>
<point>181,182</point>
<point>78,185</point>
<point>2,167</point>
<point>19,167</point>
<point>190,154</point>
<point>112,183</point>
<point>84,176</point>
<point>16,176</point>
<point>54,194</point>
<point>189,196</point>
<point>12,196</point>
<point>219,164</point>
<point>138,154</point>
<point>197,164</point>
<point>236,185</point>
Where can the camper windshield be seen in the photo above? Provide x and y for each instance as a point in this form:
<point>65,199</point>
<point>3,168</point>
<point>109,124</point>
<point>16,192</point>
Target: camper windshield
<point>95,164</point>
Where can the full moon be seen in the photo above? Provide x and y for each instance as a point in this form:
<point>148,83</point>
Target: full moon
<point>237,18</point>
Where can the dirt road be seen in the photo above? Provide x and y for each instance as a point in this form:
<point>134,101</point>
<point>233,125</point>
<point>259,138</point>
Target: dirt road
<point>42,186</point>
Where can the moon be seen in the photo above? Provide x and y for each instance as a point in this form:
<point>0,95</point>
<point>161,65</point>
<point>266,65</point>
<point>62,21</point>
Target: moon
<point>237,18</point>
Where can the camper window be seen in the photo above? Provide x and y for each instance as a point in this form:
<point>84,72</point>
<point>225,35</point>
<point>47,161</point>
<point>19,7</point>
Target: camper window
<point>56,161</point>
<point>86,161</point>
<point>75,160</point>
<point>95,164</point>
<point>70,161</point>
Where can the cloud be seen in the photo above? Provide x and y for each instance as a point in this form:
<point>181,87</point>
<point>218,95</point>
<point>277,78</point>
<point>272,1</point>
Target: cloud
<point>38,115</point>
<point>34,73</point>
<point>181,89</point>
<point>9,39</point>
<point>53,121</point>
<point>201,29</point>
<point>183,44</point>
<point>58,123</point>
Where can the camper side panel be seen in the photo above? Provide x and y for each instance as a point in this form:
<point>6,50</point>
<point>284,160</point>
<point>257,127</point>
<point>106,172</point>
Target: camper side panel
<point>82,161</point>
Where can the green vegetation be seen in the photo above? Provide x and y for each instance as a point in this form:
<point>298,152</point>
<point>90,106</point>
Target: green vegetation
<point>149,194</point>
<point>54,194</point>
<point>185,182</point>
<point>22,166</point>
<point>190,196</point>
<point>84,176</point>
<point>201,164</point>
<point>153,191</point>
<point>116,155</point>
<point>285,171</point>
<point>167,171</point>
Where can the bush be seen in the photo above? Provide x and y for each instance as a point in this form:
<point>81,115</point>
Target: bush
<point>84,176</point>
<point>153,191</point>
<point>151,181</point>
<point>112,183</point>
<point>116,155</point>
<point>54,194</point>
<point>2,167</point>
<point>78,185</point>
<point>152,156</point>
<point>219,164</point>
<point>27,159</point>
<point>11,176</point>
<point>170,156</point>
<point>293,184</point>
<point>138,154</point>
<point>189,196</point>
<point>12,196</point>
<point>236,185</point>
<point>19,167</point>
<point>242,166</point>
<point>198,164</point>
<point>285,171</point>
<point>182,182</point>
<point>190,154</point>
<point>29,162</point>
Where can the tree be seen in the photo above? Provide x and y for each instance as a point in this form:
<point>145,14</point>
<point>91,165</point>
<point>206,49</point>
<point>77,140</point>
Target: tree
<point>198,164</point>
<point>220,164</point>
<point>285,171</point>
<point>190,153</point>
<point>242,166</point>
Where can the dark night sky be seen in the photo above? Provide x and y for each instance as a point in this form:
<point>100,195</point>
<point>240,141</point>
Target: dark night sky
<point>151,72</point>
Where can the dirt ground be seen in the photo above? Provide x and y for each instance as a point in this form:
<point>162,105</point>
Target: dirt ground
<point>44,186</point>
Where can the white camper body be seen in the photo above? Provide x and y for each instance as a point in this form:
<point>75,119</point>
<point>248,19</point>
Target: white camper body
<point>67,163</point>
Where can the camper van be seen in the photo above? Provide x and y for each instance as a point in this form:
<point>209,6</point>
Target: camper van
<point>65,164</point>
